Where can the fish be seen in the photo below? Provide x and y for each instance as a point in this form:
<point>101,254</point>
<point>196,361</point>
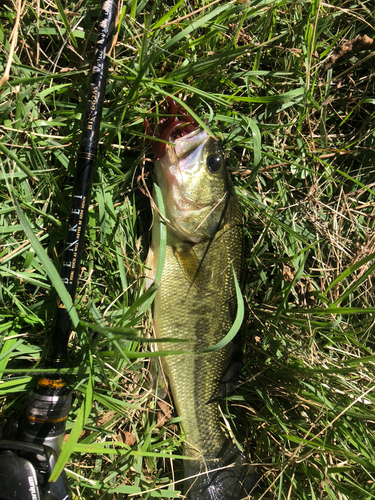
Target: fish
<point>195,301</point>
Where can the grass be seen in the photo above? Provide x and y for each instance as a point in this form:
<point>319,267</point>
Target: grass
<point>299,136</point>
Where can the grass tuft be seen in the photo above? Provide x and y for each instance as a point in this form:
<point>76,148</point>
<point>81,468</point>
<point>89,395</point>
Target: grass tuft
<point>289,89</point>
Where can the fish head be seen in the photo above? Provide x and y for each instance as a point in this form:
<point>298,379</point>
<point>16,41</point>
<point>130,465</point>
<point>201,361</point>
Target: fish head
<point>195,184</point>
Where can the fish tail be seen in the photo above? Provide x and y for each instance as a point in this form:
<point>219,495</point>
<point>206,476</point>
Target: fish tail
<point>229,477</point>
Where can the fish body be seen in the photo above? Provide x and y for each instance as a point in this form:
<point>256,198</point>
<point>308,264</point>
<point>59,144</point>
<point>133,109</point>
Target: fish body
<point>196,302</point>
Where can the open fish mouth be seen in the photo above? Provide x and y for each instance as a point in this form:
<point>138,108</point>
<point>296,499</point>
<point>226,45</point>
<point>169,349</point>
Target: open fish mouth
<point>179,124</point>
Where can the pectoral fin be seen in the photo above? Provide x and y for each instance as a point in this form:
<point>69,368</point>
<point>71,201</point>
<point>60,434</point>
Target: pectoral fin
<point>190,264</point>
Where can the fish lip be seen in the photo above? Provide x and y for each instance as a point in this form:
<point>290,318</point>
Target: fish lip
<point>191,134</point>
<point>184,145</point>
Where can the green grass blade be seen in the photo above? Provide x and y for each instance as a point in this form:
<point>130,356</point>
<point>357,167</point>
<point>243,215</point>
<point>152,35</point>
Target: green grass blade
<point>66,23</point>
<point>235,328</point>
<point>48,266</point>
<point>162,248</point>
<point>9,154</point>
<point>349,271</point>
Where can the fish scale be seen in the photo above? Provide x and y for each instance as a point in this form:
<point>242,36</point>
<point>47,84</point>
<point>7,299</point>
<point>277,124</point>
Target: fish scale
<point>202,316</point>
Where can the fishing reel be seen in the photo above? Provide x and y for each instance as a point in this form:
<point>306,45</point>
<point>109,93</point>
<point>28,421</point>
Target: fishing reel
<point>26,464</point>
<point>25,469</point>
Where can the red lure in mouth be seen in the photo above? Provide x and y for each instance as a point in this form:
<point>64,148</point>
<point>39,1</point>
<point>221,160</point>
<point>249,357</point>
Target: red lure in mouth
<point>180,123</point>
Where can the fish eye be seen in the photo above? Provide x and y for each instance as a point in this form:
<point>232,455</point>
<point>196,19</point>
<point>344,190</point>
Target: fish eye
<point>214,163</point>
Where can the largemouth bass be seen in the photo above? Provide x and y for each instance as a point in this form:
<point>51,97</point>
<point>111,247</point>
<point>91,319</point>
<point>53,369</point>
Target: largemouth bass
<point>196,298</point>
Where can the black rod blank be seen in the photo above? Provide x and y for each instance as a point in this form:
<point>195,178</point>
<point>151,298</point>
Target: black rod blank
<point>85,167</point>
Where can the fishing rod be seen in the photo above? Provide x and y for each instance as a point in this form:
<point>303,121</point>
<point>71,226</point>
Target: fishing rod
<point>26,462</point>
